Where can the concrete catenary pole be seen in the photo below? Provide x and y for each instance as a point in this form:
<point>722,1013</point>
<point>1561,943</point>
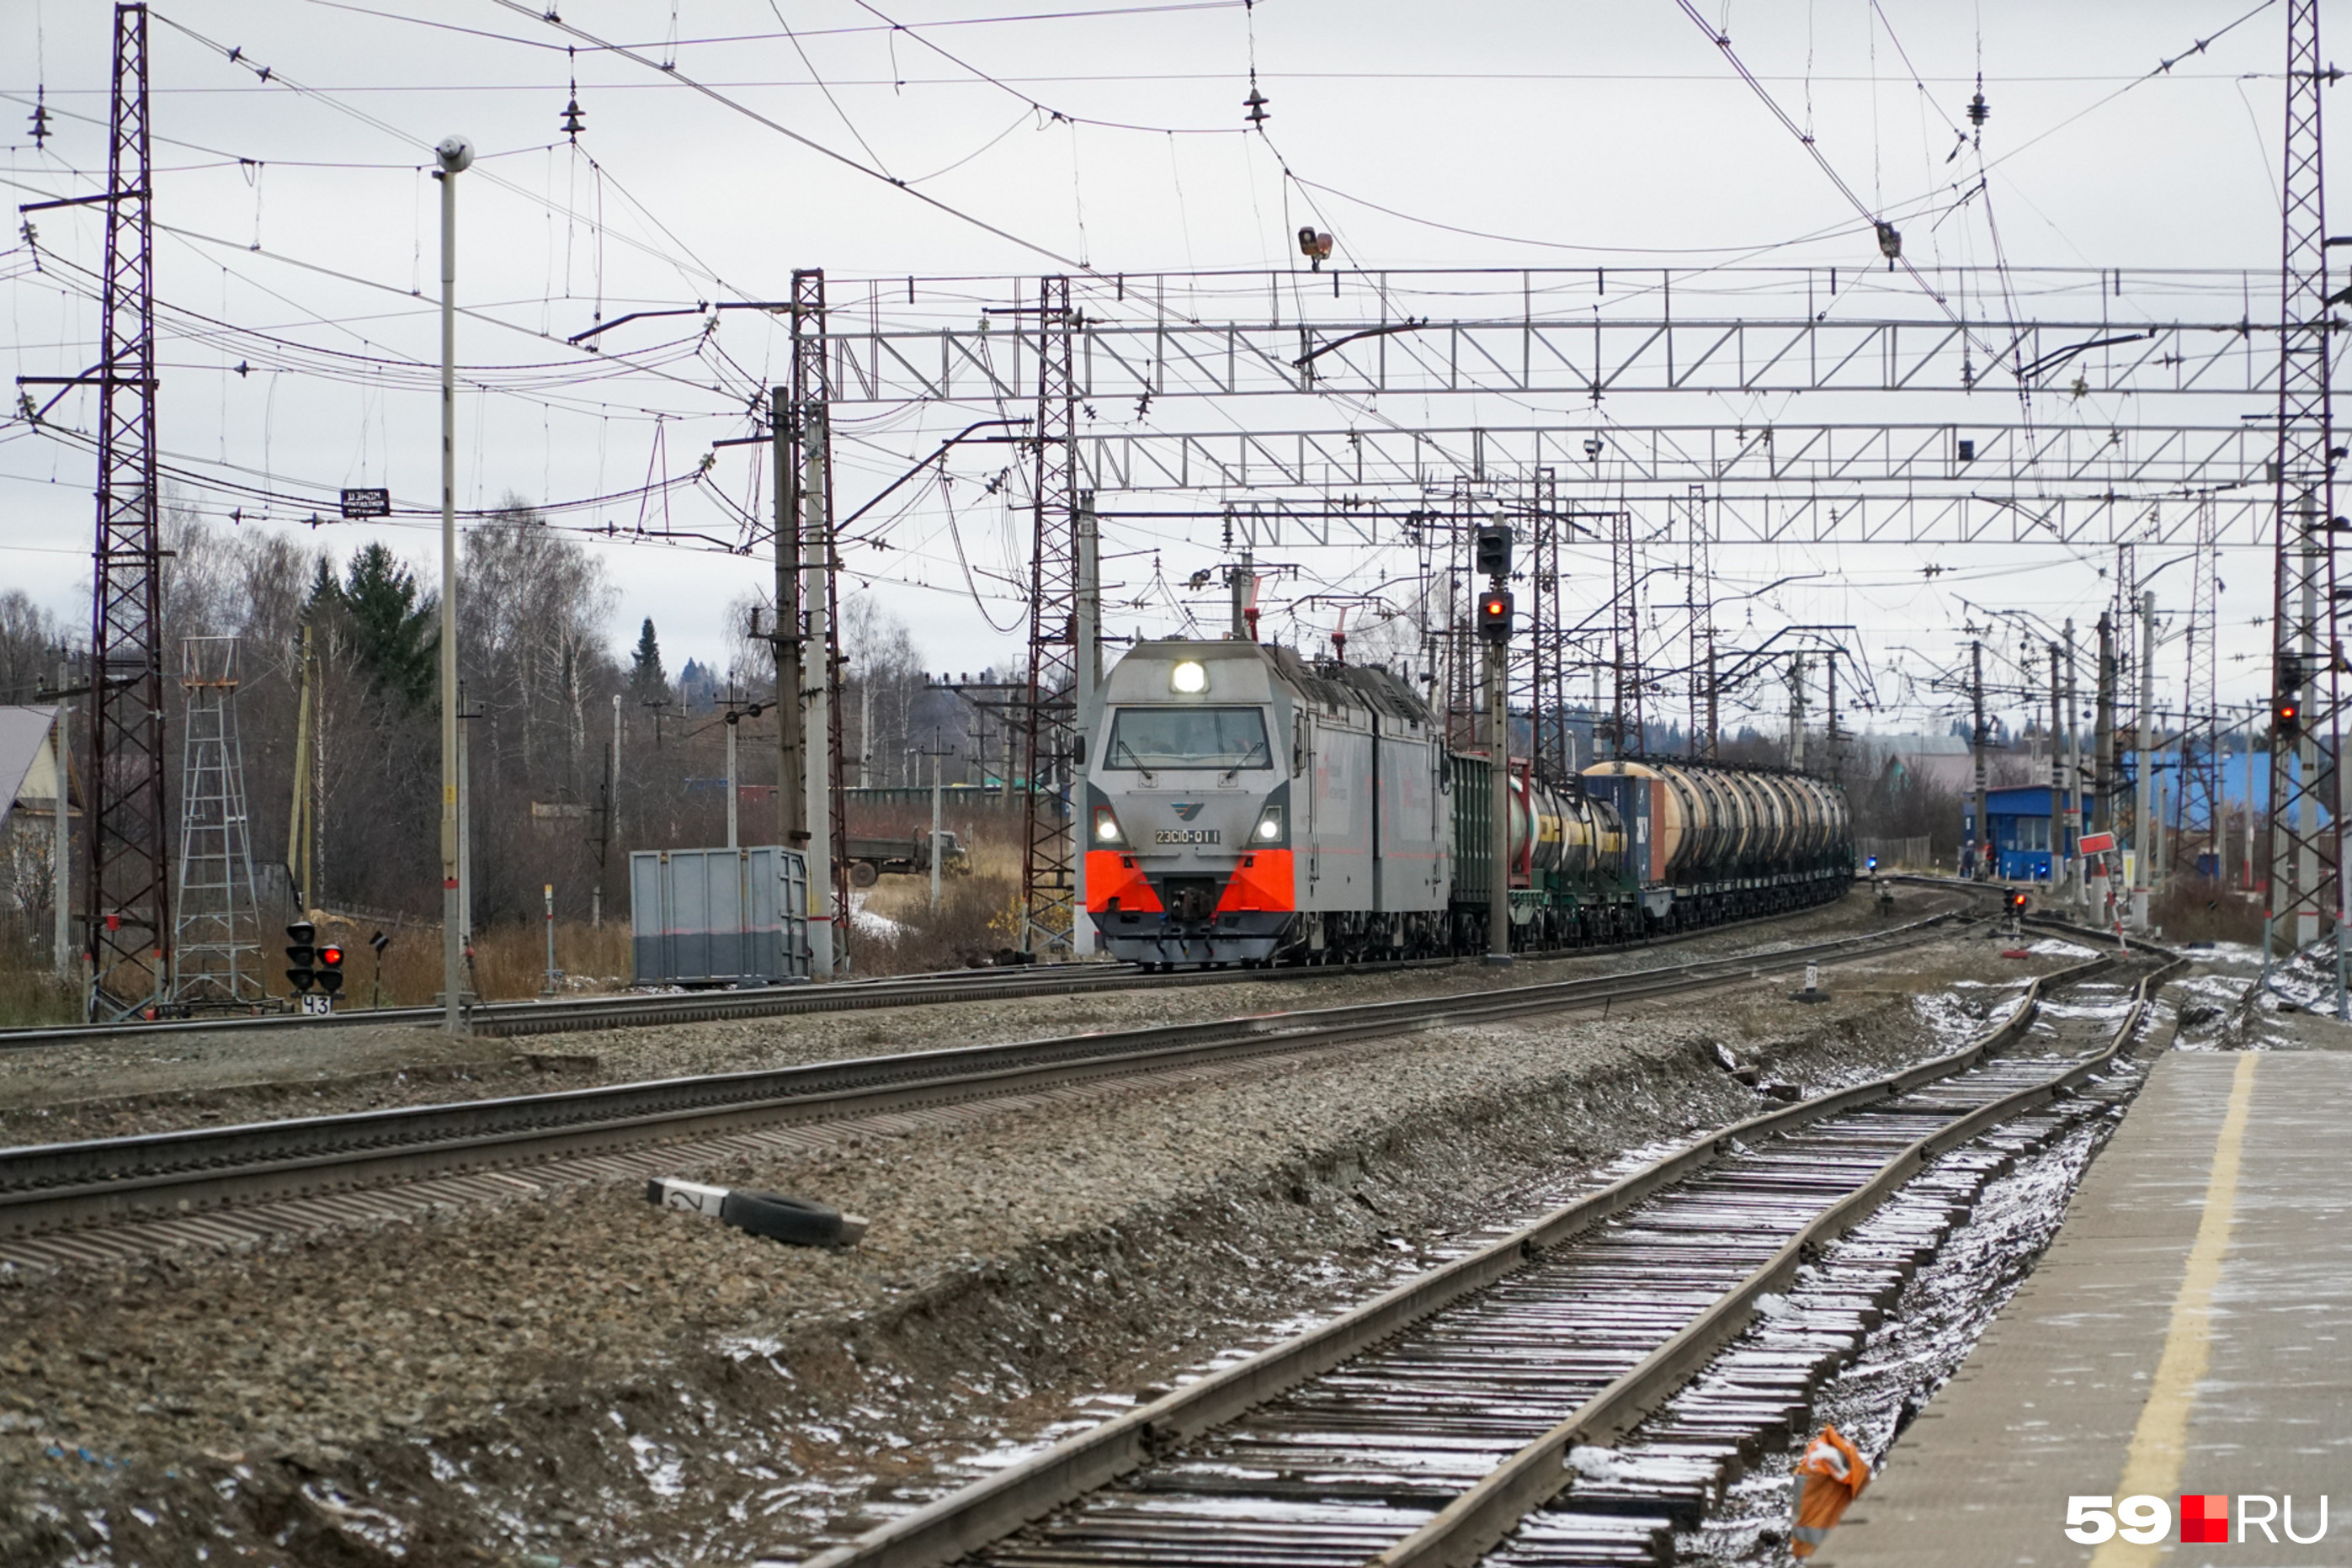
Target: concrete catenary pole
<point>935,828</point>
<point>2057,773</point>
<point>2074,767</point>
<point>731,831</point>
<point>61,832</point>
<point>1089,631</point>
<point>2145,829</point>
<point>1797,712</point>
<point>789,683</point>
<point>1981,863</point>
<point>465,830</point>
<point>2103,763</point>
<point>816,563</point>
<point>454,154</point>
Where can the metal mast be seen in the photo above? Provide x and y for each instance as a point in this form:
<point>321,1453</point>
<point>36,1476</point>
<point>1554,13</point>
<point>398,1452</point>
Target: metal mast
<point>2304,839</point>
<point>1625,638</point>
<point>1547,642</point>
<point>216,954</point>
<point>810,474</point>
<point>129,908</point>
<point>1700,593</point>
<point>1048,717</point>
<point>2200,804</point>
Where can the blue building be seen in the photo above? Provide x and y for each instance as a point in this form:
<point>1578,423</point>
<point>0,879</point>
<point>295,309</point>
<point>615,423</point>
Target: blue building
<point>2020,831</point>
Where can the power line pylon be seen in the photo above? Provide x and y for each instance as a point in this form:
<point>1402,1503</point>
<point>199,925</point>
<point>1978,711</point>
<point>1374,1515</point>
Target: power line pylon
<point>1048,717</point>
<point>2201,805</point>
<point>129,909</point>
<point>2304,839</point>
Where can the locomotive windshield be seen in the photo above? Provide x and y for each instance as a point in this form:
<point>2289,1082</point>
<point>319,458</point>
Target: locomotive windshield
<point>1152,738</point>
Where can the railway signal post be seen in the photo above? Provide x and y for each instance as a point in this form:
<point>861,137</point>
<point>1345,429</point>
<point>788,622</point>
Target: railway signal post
<point>1493,558</point>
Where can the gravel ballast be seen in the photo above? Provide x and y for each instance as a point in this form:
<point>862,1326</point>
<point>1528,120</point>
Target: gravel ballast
<point>129,1084</point>
<point>594,1381</point>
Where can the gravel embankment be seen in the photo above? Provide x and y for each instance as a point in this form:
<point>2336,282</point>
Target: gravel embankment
<point>593,1380</point>
<point>130,1085</point>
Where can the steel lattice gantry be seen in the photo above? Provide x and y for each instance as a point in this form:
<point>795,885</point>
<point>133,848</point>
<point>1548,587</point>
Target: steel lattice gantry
<point>2306,833</point>
<point>129,908</point>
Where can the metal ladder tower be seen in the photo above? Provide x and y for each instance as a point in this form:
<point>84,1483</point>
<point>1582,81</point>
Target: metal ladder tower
<point>2303,842</point>
<point>129,908</point>
<point>1049,880</point>
<point>216,953</point>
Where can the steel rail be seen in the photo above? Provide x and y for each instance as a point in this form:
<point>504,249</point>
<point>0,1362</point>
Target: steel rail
<point>501,1021</point>
<point>988,1510</point>
<point>1464,1530</point>
<point>48,1187</point>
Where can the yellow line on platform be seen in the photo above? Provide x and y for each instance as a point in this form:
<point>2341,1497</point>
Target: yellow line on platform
<point>2159,1444</point>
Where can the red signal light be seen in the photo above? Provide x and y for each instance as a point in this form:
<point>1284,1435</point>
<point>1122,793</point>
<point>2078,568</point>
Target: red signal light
<point>1494,614</point>
<point>330,955</point>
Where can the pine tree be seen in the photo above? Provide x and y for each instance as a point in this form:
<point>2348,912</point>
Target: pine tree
<point>390,621</point>
<point>648,681</point>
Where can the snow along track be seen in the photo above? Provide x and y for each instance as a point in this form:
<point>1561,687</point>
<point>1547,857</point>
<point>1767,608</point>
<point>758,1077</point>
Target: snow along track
<point>1422,1427</point>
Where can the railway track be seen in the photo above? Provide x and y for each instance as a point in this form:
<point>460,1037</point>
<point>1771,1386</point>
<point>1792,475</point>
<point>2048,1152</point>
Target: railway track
<point>1425,1426</point>
<point>517,1020</point>
<point>52,1188</point>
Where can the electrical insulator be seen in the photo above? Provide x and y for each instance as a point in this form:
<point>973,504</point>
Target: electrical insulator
<point>1255,104</point>
<point>1979,109</point>
<point>1890,242</point>
<point>575,120</point>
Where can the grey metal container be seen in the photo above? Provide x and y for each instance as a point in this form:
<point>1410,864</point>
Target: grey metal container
<point>719,917</point>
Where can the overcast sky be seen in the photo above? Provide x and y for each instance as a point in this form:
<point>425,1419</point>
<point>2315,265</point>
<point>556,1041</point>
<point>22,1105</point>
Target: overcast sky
<point>299,241</point>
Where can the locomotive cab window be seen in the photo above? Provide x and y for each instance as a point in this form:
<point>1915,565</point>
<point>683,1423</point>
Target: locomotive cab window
<point>1155,737</point>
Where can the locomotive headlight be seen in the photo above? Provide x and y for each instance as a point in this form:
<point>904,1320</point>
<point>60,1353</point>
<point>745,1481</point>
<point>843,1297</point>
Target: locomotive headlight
<point>1269,826</point>
<point>1106,826</point>
<point>1190,677</point>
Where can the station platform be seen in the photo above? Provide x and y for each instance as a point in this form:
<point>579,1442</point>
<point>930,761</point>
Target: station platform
<point>2189,1331</point>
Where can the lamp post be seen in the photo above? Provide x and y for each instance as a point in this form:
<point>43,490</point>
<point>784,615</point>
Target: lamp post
<point>454,154</point>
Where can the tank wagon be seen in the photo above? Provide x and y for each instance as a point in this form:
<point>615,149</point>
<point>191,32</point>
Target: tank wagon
<point>1242,805</point>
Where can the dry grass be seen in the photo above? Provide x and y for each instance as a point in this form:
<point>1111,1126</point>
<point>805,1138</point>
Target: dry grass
<point>510,961</point>
<point>2200,909</point>
<point>31,996</point>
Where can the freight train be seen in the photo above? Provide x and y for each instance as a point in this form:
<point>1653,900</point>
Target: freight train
<point>1242,805</point>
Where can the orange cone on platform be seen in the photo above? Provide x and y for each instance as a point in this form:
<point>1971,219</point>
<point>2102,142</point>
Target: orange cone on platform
<point>1829,1478</point>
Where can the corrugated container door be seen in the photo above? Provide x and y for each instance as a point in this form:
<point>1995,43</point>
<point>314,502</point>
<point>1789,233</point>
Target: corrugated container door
<point>648,919</point>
